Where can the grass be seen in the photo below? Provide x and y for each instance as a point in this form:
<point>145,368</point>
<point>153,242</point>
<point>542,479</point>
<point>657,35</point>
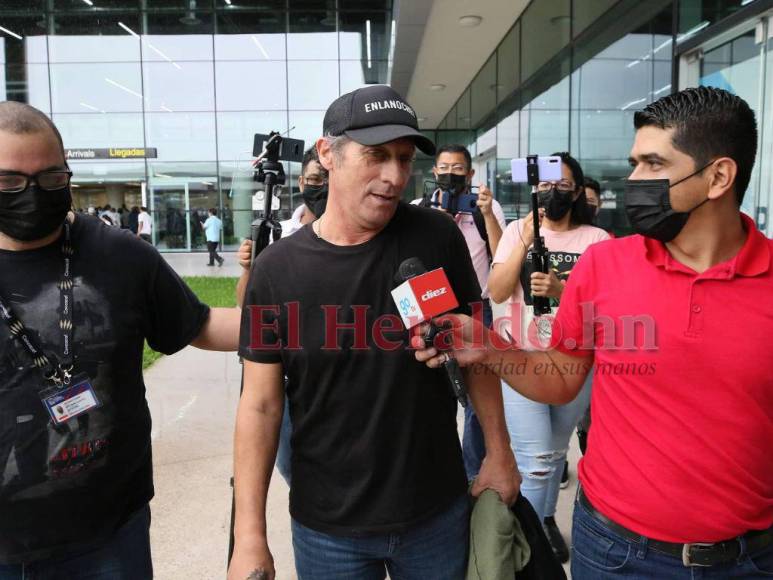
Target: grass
<point>216,292</point>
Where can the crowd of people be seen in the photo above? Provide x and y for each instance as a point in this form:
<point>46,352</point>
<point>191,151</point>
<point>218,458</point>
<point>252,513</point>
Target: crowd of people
<point>664,331</point>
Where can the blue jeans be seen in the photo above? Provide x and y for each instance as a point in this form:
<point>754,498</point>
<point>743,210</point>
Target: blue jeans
<point>284,452</point>
<point>126,556</point>
<point>473,442</point>
<point>598,553</point>
<point>539,435</point>
<point>432,550</point>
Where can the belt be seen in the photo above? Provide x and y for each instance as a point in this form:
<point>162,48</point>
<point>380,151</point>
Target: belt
<point>693,554</point>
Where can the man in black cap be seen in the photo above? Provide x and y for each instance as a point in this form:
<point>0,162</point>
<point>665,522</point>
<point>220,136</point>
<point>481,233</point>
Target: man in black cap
<point>378,479</point>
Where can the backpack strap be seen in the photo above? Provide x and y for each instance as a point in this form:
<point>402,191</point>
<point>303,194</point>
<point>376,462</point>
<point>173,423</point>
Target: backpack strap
<point>480,223</point>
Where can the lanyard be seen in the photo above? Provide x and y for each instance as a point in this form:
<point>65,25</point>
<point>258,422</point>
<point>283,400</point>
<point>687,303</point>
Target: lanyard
<point>56,370</point>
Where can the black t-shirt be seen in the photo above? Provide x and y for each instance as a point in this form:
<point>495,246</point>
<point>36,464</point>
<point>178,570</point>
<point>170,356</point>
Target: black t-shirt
<point>374,443</point>
<point>73,485</point>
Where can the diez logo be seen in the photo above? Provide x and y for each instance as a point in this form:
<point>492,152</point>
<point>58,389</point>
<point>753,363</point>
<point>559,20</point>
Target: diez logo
<point>430,294</point>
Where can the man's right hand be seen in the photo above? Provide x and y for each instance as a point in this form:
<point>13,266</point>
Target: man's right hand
<point>253,563</point>
<point>244,255</point>
<point>469,340</point>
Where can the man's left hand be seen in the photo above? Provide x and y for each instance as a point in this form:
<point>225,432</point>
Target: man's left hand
<point>485,199</point>
<point>500,473</point>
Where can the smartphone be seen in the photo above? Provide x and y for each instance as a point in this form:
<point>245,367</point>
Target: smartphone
<point>549,169</point>
<point>465,203</point>
<point>289,150</point>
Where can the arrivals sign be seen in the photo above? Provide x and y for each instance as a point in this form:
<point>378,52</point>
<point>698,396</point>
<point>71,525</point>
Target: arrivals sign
<point>112,153</point>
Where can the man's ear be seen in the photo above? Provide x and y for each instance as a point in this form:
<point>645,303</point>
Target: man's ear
<point>722,179</point>
<point>325,153</point>
<point>472,174</point>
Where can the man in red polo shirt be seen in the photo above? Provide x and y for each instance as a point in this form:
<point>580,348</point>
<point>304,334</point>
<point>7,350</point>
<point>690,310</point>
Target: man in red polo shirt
<point>677,320</point>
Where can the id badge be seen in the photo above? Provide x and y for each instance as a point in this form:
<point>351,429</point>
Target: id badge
<point>71,401</point>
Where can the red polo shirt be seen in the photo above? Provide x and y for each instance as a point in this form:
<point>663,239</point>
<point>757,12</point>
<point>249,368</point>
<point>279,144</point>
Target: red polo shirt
<point>681,444</point>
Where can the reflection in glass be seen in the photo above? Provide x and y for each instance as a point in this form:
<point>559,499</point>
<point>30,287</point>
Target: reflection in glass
<point>86,87</point>
<point>100,130</point>
<point>95,37</point>
<point>312,85</point>
<point>355,74</point>
<point>23,39</point>
<point>365,35</point>
<point>186,87</point>
<point>463,113</point>
<point>508,63</point>
<point>695,15</point>
<point>586,12</point>
<point>312,36</point>
<point>250,47</point>
<point>545,30</point>
<point>181,136</point>
<point>26,84</point>
<point>236,132</point>
<point>483,91</point>
<point>308,126</point>
<point>193,22</point>
<point>252,85</point>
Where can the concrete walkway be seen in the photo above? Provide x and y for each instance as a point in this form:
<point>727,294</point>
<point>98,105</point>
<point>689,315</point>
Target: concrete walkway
<point>195,264</point>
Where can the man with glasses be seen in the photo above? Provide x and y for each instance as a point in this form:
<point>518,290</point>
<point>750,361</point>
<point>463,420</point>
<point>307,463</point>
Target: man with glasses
<point>482,229</point>
<point>75,447</point>
<point>312,184</point>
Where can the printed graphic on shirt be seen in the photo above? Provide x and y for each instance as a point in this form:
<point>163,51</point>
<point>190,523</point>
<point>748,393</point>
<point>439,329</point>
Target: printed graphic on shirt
<point>35,453</point>
<point>562,263</point>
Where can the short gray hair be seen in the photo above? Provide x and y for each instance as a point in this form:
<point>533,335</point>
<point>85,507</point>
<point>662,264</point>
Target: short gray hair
<point>337,144</point>
<point>22,119</point>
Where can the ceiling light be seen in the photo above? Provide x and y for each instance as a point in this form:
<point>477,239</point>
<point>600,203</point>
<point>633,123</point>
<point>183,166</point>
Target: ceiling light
<point>437,87</point>
<point>127,29</point>
<point>89,2</point>
<point>470,21</point>
<point>421,119</point>
<point>11,33</point>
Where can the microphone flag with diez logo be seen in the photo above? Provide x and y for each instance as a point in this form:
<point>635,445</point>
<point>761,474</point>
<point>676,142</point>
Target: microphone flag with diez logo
<point>423,297</point>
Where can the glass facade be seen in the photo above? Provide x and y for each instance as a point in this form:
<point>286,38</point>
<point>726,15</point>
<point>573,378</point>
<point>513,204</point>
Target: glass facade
<point>564,79</point>
<point>193,80</point>
<point>569,76</point>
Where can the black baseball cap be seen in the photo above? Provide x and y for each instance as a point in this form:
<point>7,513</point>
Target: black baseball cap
<point>374,115</point>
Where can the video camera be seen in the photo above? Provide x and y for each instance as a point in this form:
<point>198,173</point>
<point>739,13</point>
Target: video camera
<point>270,150</point>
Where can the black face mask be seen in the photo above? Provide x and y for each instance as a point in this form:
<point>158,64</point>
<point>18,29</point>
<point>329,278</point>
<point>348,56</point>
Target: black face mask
<point>648,205</point>
<point>315,198</point>
<point>452,183</point>
<point>556,203</point>
<point>34,213</point>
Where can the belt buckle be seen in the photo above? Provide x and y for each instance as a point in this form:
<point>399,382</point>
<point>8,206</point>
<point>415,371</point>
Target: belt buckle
<point>686,552</point>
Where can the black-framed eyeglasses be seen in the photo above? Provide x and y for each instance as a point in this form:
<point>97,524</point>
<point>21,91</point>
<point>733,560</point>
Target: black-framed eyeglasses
<point>15,182</point>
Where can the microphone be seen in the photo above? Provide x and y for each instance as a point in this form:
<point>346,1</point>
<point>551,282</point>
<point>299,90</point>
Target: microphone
<point>420,296</point>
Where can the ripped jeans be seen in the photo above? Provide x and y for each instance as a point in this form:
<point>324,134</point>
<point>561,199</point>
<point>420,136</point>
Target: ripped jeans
<point>539,435</point>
